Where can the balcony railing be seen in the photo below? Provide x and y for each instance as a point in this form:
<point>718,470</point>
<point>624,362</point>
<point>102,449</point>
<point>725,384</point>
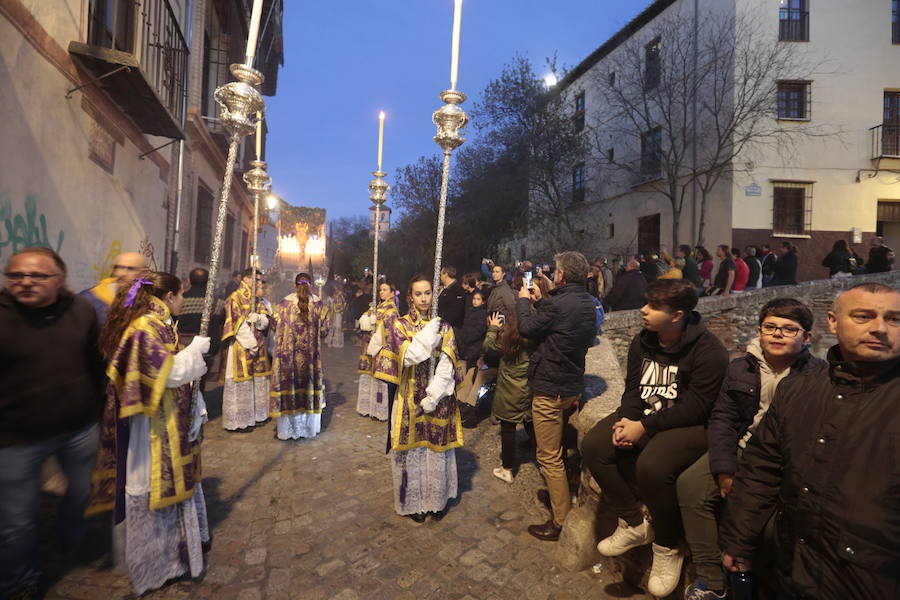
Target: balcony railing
<point>886,140</point>
<point>793,25</point>
<point>137,52</point>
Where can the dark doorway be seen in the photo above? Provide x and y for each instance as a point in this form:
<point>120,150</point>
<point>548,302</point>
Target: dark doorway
<point>648,234</point>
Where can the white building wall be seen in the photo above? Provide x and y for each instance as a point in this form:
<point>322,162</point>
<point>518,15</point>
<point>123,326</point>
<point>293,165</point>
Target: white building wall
<point>51,191</point>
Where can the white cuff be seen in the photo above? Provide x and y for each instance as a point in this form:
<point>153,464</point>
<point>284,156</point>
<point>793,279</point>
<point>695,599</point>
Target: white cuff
<point>187,366</point>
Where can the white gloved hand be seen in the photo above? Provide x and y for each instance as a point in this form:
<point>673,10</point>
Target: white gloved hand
<point>428,404</point>
<point>431,335</point>
<point>200,345</point>
<point>253,317</point>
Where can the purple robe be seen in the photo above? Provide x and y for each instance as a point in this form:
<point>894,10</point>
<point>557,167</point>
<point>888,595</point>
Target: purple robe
<point>297,381</point>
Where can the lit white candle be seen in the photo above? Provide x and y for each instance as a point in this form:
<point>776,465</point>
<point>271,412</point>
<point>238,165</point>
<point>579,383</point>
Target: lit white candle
<point>255,17</point>
<point>259,124</point>
<point>380,137</point>
<point>454,60</point>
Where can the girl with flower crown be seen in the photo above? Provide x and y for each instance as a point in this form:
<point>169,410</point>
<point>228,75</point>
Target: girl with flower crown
<point>298,384</point>
<point>148,458</point>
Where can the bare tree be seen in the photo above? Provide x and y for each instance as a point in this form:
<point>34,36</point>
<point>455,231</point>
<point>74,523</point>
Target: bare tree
<point>691,100</point>
<point>520,119</point>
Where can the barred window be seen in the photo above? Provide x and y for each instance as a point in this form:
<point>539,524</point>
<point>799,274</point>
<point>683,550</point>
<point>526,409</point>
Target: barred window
<point>578,184</point>
<point>791,208</point>
<point>794,100</point>
<point>203,225</point>
<point>651,151</point>
<point>579,112</point>
<point>653,65</point>
<point>793,21</point>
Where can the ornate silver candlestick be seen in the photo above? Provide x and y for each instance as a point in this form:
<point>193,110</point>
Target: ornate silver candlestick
<point>240,101</point>
<point>259,183</point>
<point>449,119</point>
<point>378,195</point>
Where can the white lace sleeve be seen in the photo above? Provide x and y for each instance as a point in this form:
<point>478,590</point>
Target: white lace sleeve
<point>245,337</point>
<point>187,366</point>
<point>442,384</point>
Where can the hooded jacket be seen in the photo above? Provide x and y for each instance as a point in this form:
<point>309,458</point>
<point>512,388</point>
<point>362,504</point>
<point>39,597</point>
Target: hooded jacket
<point>738,402</point>
<point>675,386</point>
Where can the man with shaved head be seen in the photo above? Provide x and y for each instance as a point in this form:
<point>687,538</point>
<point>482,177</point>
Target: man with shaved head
<point>126,267</point>
<point>827,457</point>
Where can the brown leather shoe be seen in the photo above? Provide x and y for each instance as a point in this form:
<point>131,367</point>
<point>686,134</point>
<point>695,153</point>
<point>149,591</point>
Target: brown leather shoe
<point>543,497</point>
<point>547,532</point>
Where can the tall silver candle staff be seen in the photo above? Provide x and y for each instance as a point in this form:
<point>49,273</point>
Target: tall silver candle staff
<point>449,119</point>
<point>240,101</point>
<point>378,195</point>
<point>259,184</point>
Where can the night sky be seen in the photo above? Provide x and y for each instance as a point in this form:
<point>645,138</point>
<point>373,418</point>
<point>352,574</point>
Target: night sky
<point>346,60</point>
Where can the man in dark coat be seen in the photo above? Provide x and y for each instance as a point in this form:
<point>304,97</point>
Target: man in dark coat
<point>786,265</point>
<point>564,326</point>
<point>825,459</point>
<point>628,291</point>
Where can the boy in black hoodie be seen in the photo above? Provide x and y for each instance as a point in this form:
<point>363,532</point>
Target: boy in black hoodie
<point>675,368</point>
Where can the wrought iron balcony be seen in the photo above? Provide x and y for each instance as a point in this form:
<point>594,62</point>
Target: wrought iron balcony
<point>137,53</point>
<point>886,141</point>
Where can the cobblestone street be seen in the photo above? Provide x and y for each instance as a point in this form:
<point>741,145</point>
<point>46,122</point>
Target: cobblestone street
<point>315,520</point>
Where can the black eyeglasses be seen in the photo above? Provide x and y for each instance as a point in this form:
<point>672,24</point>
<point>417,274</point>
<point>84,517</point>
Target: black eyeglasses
<point>39,277</point>
<point>788,331</point>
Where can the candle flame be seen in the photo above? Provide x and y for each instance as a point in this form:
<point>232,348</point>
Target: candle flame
<point>381,115</point>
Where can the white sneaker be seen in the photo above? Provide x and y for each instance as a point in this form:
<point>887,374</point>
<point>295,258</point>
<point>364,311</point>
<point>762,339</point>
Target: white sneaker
<point>624,538</point>
<point>504,474</point>
<point>665,572</point>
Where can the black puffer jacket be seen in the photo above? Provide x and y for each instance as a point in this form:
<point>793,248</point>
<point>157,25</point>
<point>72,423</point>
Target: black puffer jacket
<point>737,405</point>
<point>564,326</point>
<point>827,456</point>
<point>673,386</point>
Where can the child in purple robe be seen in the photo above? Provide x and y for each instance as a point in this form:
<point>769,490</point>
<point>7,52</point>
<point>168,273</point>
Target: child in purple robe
<point>148,458</point>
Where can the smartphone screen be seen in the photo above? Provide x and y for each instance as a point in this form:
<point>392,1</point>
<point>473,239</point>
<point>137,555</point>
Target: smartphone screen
<point>528,275</point>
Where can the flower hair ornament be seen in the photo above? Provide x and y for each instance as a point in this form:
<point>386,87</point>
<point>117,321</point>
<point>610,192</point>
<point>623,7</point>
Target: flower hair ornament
<point>132,292</point>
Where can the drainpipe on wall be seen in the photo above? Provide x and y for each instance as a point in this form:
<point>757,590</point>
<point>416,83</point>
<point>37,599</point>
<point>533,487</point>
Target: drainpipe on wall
<point>179,193</point>
<point>694,59</point>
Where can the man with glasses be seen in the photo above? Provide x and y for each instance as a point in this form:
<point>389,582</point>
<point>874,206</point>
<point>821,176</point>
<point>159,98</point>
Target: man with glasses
<point>827,458</point>
<point>126,267</point>
<point>781,350</point>
<point>51,378</point>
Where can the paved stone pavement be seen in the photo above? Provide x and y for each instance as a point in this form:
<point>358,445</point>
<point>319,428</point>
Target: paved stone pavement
<point>314,519</point>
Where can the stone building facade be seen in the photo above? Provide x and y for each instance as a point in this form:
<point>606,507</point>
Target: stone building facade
<point>838,180</point>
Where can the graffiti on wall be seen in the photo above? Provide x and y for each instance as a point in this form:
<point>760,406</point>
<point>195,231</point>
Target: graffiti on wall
<point>105,268</point>
<point>146,248</point>
<point>24,229</point>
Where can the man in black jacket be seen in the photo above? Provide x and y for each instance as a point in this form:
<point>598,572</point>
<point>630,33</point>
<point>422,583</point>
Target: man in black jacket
<point>452,301</point>
<point>786,265</point>
<point>564,326</point>
<point>825,457</point>
<point>51,376</point>
<point>628,290</point>
<point>779,352</point>
<point>674,371</point>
